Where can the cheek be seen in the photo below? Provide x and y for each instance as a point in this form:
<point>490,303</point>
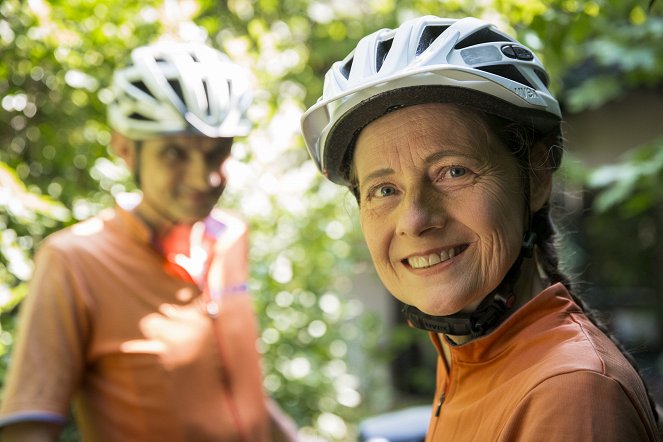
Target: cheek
<point>374,236</point>
<point>160,182</point>
<point>498,218</point>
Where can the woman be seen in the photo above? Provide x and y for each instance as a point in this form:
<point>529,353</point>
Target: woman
<point>446,133</point>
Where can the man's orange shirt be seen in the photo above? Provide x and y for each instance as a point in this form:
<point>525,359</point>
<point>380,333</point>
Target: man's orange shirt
<point>545,374</point>
<point>126,335</point>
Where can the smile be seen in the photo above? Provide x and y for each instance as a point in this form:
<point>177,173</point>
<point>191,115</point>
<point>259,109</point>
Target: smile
<point>423,262</point>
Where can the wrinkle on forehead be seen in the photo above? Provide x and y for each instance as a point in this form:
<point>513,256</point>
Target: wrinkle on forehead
<point>463,128</point>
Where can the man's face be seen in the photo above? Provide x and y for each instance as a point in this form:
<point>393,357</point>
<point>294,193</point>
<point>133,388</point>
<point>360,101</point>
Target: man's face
<point>182,177</point>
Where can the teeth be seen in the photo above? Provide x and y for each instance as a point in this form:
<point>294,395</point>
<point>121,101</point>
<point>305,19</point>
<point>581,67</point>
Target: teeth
<point>421,262</point>
<point>444,255</point>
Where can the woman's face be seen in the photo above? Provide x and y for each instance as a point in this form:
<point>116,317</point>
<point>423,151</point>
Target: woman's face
<point>441,205</point>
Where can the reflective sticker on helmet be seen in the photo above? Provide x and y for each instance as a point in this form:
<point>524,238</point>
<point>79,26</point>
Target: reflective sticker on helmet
<point>480,54</point>
<point>528,94</point>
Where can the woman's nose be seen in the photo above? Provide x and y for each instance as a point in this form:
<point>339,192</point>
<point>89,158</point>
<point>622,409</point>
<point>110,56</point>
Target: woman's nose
<point>420,212</point>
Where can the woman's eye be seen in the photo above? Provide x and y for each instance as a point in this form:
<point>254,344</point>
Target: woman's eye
<point>382,191</point>
<point>456,171</point>
<point>454,177</point>
<point>386,191</point>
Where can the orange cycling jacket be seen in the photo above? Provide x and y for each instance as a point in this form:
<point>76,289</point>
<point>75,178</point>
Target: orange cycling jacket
<point>545,374</point>
<point>150,342</point>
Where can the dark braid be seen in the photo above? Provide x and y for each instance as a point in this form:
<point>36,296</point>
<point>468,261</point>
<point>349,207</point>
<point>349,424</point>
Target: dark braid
<point>522,141</point>
<point>549,260</point>
<point>542,225</point>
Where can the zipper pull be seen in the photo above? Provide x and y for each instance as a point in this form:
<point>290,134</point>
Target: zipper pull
<point>439,405</point>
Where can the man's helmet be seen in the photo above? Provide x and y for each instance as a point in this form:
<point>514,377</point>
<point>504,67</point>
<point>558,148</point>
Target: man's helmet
<point>428,59</point>
<point>172,87</point>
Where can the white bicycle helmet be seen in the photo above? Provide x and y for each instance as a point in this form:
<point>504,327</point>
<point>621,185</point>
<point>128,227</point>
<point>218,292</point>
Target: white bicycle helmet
<point>175,87</point>
<point>427,59</point>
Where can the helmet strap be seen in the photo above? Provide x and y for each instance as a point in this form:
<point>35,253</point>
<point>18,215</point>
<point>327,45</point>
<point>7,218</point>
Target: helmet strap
<point>492,311</point>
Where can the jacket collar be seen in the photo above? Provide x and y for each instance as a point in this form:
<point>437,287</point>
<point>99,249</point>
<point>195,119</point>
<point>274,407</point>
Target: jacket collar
<point>540,313</point>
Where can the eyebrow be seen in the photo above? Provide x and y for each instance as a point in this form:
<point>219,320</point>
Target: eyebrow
<point>432,158</point>
<point>211,150</point>
<point>379,173</point>
<point>169,145</point>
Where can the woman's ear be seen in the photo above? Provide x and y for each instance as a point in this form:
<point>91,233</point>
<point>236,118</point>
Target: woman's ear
<point>124,148</point>
<point>540,176</point>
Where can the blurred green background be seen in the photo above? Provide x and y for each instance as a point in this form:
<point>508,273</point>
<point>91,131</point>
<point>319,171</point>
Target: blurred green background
<point>330,357</point>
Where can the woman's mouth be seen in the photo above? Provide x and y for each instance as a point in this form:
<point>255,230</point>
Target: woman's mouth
<point>425,261</point>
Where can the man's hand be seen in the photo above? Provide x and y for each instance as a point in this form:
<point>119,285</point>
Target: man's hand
<point>30,432</point>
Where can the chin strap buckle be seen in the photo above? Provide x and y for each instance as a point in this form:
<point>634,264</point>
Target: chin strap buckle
<point>489,314</point>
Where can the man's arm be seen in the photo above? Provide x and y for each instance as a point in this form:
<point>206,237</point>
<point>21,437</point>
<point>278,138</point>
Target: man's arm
<point>31,432</point>
<point>47,357</point>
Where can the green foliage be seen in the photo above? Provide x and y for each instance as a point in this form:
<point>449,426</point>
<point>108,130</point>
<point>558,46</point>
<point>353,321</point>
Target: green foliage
<point>25,218</point>
<point>627,198</point>
<point>56,61</point>
<point>628,57</point>
<point>54,91</point>
<point>632,186</point>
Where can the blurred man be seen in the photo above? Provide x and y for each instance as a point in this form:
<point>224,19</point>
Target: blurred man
<point>140,317</point>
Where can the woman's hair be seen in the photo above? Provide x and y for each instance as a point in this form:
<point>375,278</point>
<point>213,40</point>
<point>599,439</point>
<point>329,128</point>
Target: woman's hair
<point>522,141</point>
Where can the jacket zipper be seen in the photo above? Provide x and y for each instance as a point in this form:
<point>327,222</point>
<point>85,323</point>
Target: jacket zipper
<point>439,405</point>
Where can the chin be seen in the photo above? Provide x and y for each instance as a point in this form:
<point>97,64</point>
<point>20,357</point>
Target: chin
<point>190,218</point>
<point>439,310</point>
<point>441,304</point>
<point>197,213</point>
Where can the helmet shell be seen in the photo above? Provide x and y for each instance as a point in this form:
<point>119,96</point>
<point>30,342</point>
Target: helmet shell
<point>176,87</point>
<point>427,59</point>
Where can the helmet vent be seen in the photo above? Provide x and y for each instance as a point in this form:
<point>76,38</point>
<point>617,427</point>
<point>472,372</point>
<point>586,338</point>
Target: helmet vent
<point>208,110</point>
<point>507,71</point>
<point>345,70</point>
<point>141,117</point>
<point>428,37</point>
<point>177,88</point>
<point>484,35</point>
<point>140,85</point>
<point>382,52</point>
<point>542,76</point>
